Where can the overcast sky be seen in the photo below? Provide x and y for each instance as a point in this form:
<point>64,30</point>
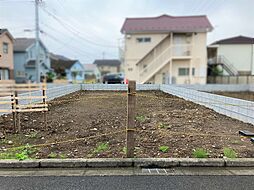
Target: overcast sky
<point>84,29</point>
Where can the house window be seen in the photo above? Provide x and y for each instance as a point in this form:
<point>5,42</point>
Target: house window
<point>183,71</point>
<point>20,74</point>
<point>143,40</point>
<point>5,47</point>
<point>4,74</point>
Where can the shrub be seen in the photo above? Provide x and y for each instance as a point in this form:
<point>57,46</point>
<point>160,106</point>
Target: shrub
<point>164,149</point>
<point>200,153</point>
<point>229,153</point>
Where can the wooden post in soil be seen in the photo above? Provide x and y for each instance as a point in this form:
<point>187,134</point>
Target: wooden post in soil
<point>44,100</point>
<point>130,129</point>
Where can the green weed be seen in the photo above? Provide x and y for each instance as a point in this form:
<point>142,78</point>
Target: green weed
<point>164,149</point>
<point>141,118</point>
<point>164,126</point>
<point>200,153</point>
<point>52,155</point>
<point>229,153</point>
<point>101,148</point>
<point>20,153</point>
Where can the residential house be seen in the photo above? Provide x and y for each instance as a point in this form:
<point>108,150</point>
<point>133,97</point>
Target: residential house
<point>92,73</point>
<point>6,56</point>
<point>72,70</point>
<point>106,66</point>
<point>25,60</point>
<point>166,49</point>
<point>235,55</point>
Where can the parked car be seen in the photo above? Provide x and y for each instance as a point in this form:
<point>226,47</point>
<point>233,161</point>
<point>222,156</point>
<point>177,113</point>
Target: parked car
<point>117,78</point>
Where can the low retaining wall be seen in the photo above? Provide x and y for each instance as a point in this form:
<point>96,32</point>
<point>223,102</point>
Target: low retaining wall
<point>239,109</point>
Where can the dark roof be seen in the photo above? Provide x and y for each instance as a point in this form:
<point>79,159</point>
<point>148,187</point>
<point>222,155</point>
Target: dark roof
<point>62,64</point>
<point>236,40</point>
<point>166,23</point>
<point>21,44</point>
<point>57,57</point>
<point>107,62</point>
<point>4,30</point>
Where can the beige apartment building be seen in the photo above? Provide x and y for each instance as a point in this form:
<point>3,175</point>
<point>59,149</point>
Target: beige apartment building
<point>6,57</point>
<point>166,49</point>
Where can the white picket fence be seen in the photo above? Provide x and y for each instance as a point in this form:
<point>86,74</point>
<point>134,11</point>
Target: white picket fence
<point>239,109</point>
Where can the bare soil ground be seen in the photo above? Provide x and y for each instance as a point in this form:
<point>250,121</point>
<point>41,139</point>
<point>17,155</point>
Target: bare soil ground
<point>241,95</point>
<point>163,120</point>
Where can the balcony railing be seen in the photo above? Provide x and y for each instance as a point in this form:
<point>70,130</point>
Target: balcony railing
<point>181,50</point>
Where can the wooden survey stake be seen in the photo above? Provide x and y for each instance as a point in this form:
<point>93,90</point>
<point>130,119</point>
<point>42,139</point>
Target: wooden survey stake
<point>130,129</point>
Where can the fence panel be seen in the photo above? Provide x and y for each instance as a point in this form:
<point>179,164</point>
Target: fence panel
<point>239,109</point>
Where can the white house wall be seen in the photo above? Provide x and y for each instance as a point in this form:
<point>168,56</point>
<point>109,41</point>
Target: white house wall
<point>240,56</point>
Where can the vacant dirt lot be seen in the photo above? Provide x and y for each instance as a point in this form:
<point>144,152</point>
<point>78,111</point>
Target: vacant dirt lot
<point>241,95</point>
<point>163,120</point>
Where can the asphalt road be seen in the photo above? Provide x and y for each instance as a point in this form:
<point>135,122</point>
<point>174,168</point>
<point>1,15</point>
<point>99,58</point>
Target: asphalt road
<point>127,182</point>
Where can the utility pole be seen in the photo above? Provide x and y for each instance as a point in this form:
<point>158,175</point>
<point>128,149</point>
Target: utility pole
<point>37,42</point>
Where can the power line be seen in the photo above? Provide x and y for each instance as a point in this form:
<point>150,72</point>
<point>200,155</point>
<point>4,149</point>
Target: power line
<point>70,47</point>
<point>73,30</point>
<point>75,20</point>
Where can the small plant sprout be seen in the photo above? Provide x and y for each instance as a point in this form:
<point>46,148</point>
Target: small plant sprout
<point>125,150</point>
<point>229,153</point>
<point>163,126</point>
<point>164,149</point>
<point>52,155</point>
<point>141,118</point>
<point>200,153</point>
<point>101,148</point>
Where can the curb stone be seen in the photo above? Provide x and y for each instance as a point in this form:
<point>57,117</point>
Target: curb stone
<point>19,164</point>
<point>202,162</point>
<point>128,162</point>
<point>242,162</point>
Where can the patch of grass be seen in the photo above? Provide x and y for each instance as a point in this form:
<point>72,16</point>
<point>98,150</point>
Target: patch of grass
<point>229,153</point>
<point>164,149</point>
<point>101,148</point>
<point>200,153</point>
<point>163,126</point>
<point>20,153</point>
<point>52,155</point>
<point>141,118</point>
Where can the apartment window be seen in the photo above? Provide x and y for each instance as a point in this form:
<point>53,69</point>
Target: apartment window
<point>143,40</point>
<point>4,74</point>
<point>193,71</point>
<point>5,47</point>
<point>183,71</point>
<point>130,69</point>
